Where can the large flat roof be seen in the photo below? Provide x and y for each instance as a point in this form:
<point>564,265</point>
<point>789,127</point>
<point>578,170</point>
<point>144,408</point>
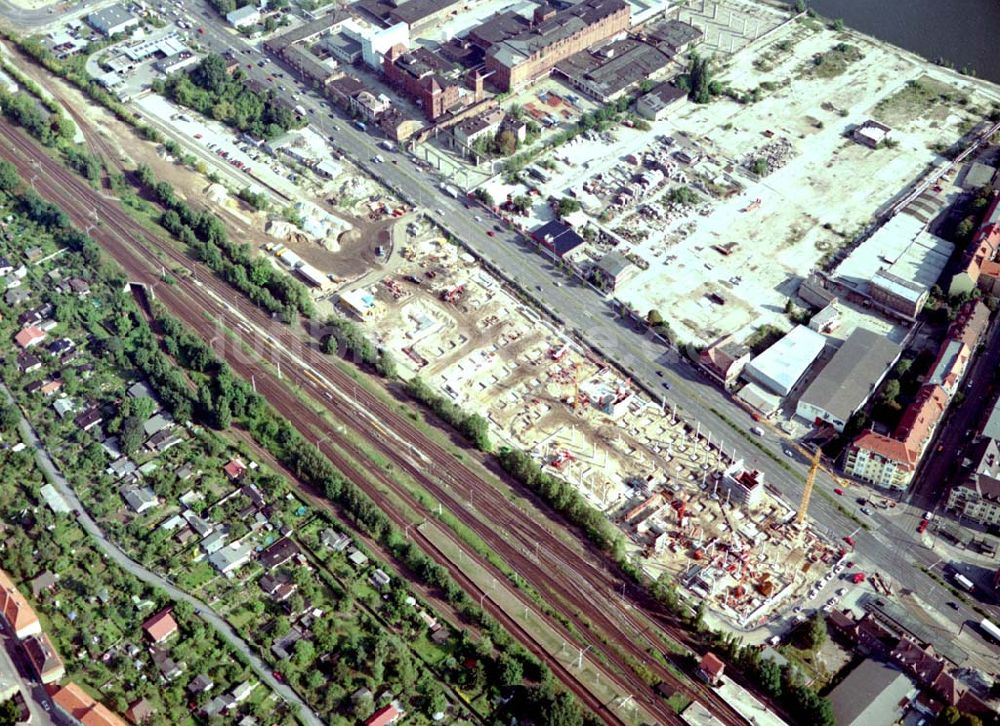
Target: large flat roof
<point>902,247</point>
<point>784,363</point>
<point>851,375</point>
<point>871,694</point>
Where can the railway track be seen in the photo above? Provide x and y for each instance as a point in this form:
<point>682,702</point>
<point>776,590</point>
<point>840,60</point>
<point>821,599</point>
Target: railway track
<point>553,568</point>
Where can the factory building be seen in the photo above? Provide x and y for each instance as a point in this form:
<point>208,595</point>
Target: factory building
<point>112,20</point>
<point>849,379</point>
<point>897,266</point>
<point>553,36</point>
<point>782,365</point>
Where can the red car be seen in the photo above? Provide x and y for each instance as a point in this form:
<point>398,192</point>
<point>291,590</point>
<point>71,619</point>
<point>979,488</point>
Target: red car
<point>849,540</point>
<point>922,527</point>
<point>839,492</point>
<point>277,674</point>
<point>491,233</point>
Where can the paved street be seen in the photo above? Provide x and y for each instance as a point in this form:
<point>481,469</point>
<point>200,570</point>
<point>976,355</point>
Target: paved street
<point>892,544</point>
<point>112,552</point>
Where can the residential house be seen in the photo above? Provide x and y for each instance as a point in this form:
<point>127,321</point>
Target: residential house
<point>28,363</point>
<point>278,553</point>
<point>336,541</point>
<point>17,296</point>
<point>200,684</point>
<point>17,612</point>
<point>724,361</point>
<point>978,496</point>
<point>139,499</point>
<point>29,336</point>
<point>890,462</point>
<point>384,716</point>
<point>231,557</point>
<point>357,558</point>
<point>52,387</point>
<point>710,668</point>
<point>159,627</point>
<point>89,418</point>
<point>167,666</point>
<point>158,423</point>
<point>45,662</point>
<point>43,584</point>
<point>235,469</point>
<point>140,711</point>
<point>81,708</point>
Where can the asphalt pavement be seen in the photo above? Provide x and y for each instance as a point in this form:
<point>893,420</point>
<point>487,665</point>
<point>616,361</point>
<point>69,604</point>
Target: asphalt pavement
<point>893,548</point>
<point>111,551</point>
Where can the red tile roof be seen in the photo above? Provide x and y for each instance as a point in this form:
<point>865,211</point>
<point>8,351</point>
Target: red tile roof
<point>77,703</point>
<point>711,665</point>
<point>16,609</point>
<point>921,417</point>
<point>161,626</point>
<point>971,321</point>
<point>384,716</point>
<point>235,468</point>
<point>886,447</point>
<point>29,336</point>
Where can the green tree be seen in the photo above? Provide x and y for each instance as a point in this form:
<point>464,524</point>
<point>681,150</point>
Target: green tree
<point>9,417</point>
<point>9,713</point>
<point>131,436</point>
<point>890,392</point>
<point>9,179</point>
<point>816,633</point>
<point>653,317</point>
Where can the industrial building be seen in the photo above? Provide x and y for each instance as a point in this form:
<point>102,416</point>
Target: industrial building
<point>614,270</point>
<point>849,379</point>
<point>112,20</point>
<point>874,693</point>
<point>415,14</point>
<point>421,75</point>
<point>607,72</point>
<point>656,104</point>
<point>897,266</point>
<point>552,37</point>
<point>558,238</point>
<point>783,364</point>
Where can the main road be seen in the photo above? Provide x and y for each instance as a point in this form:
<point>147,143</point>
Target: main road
<point>592,317</point>
<point>111,551</point>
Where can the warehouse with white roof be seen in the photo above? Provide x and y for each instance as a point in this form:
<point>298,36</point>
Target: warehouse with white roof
<point>897,266</point>
<point>782,365</point>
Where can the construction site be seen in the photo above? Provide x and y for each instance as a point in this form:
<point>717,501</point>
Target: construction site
<point>689,506</point>
<point>695,201</point>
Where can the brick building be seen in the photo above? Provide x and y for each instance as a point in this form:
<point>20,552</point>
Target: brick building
<point>552,36</point>
<point>419,76</point>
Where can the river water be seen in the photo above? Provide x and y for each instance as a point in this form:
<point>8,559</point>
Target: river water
<point>963,32</point>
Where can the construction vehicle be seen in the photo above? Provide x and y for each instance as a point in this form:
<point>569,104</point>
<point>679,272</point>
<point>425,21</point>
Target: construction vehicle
<point>800,516</point>
<point>561,458</point>
<point>454,294</point>
<point>755,204</point>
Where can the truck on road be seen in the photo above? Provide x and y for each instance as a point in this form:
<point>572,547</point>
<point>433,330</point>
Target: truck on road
<point>450,190</point>
<point>964,582</point>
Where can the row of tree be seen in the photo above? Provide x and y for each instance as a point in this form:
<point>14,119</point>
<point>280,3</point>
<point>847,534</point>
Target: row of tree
<point>472,426</point>
<point>206,235</point>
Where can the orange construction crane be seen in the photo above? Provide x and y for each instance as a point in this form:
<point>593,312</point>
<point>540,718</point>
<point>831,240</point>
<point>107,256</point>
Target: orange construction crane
<point>807,492</point>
